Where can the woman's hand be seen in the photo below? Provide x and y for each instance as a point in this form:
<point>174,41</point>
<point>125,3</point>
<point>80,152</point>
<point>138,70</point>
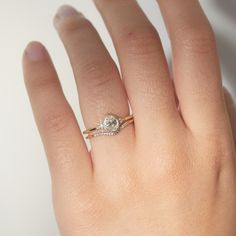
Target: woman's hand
<point>171,173</point>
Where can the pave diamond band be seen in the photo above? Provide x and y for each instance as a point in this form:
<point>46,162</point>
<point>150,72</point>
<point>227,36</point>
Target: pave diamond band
<point>110,125</point>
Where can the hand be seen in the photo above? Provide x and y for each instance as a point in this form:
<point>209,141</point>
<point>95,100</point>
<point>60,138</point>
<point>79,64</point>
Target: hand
<point>173,171</point>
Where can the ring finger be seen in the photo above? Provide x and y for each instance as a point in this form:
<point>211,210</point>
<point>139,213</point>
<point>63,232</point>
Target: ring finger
<point>99,85</point>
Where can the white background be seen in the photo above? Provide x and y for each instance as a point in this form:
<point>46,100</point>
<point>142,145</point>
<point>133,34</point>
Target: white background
<point>25,197</point>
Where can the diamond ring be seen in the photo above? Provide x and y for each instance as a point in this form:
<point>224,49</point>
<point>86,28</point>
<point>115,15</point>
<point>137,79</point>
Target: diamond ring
<point>110,125</point>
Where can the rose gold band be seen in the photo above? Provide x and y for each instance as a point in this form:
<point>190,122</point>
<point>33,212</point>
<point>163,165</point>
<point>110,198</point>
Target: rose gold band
<point>110,126</point>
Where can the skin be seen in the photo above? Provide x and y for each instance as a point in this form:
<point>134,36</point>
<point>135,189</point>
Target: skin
<point>173,171</point>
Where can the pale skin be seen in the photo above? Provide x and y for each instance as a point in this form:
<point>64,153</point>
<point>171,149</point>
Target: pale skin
<point>173,171</point>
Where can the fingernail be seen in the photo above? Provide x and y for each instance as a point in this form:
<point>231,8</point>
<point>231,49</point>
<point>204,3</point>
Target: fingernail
<point>35,51</point>
<point>65,11</point>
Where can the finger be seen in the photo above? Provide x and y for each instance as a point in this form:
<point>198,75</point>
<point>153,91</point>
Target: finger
<point>143,65</point>
<point>99,85</point>
<point>231,111</point>
<point>67,154</point>
<point>195,63</point>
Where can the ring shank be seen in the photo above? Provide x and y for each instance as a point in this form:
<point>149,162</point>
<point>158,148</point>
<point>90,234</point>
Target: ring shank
<point>99,131</point>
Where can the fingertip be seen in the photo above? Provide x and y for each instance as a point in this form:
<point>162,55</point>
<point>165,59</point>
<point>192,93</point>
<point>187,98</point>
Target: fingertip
<point>38,68</point>
<point>35,51</point>
<point>65,11</point>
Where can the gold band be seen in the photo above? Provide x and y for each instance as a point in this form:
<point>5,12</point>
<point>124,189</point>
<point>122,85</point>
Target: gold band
<point>111,125</point>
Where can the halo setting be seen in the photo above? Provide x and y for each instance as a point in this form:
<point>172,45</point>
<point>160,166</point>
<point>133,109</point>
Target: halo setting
<point>110,125</point>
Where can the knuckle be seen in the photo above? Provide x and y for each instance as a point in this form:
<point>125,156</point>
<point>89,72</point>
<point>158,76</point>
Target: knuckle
<point>197,41</point>
<point>176,162</point>
<point>151,91</point>
<point>140,41</point>
<point>74,24</point>
<point>174,172</point>
<point>174,169</point>
<point>217,154</point>
<point>128,183</point>
<point>96,75</point>
<point>40,83</point>
<point>56,121</point>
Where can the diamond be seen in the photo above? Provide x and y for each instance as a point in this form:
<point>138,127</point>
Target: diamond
<point>111,123</point>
